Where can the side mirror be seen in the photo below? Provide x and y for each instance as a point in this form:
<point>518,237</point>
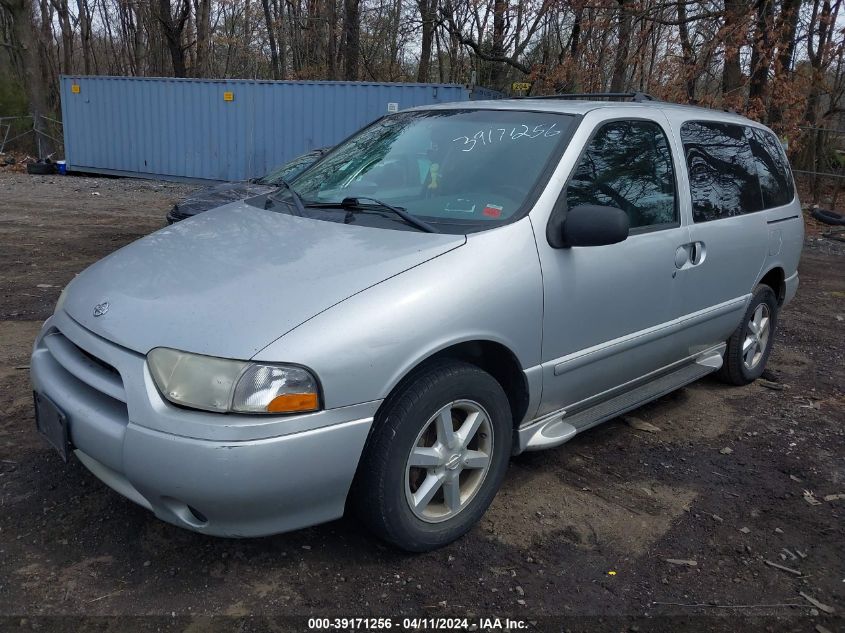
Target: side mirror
<point>589,225</point>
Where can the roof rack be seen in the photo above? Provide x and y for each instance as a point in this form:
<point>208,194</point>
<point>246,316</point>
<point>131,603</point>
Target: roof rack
<point>637,97</point>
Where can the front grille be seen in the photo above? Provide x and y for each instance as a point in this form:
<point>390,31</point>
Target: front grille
<point>100,363</point>
<point>97,375</point>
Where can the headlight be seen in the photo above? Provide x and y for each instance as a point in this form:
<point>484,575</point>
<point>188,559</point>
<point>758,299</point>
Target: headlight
<point>219,384</point>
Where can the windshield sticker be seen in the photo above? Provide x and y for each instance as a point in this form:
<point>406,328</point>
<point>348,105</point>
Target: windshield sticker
<point>461,205</point>
<point>501,134</point>
<point>492,211</point>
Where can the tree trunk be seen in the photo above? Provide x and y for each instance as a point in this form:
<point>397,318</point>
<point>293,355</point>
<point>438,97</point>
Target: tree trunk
<point>352,38</point>
<point>428,12</point>
<point>331,40</point>
<point>732,71</point>
<point>271,37</point>
<point>202,13</point>
<point>787,33</point>
<point>440,74</point>
<point>618,81</point>
<point>393,37</point>
<point>172,28</point>
<point>790,12</point>
<point>85,34</point>
<point>139,45</point>
<point>687,53</point>
<point>30,63</point>
<point>498,69</point>
<point>762,51</point>
<point>572,76</point>
<point>67,40</point>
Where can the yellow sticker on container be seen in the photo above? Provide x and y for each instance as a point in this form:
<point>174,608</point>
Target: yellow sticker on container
<point>228,96</point>
<point>74,88</point>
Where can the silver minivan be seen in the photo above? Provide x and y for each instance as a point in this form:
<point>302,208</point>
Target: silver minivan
<point>448,287</point>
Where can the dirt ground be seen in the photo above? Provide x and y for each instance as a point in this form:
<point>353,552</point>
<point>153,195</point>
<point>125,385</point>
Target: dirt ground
<point>578,538</point>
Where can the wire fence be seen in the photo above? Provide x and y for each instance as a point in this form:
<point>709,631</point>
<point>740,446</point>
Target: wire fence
<point>20,133</point>
<point>819,166</point>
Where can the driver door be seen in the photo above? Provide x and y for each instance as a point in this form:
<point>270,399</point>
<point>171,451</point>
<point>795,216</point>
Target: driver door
<point>609,310</point>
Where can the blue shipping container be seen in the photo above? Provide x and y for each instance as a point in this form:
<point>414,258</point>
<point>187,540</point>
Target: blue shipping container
<point>202,129</point>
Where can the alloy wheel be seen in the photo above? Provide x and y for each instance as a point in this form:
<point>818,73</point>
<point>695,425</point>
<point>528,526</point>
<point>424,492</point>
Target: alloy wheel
<point>449,461</point>
<point>757,337</point>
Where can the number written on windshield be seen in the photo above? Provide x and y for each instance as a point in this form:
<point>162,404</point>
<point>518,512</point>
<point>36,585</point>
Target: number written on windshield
<point>501,134</point>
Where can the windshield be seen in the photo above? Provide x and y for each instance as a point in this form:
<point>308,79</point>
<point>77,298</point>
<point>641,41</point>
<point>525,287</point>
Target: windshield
<point>291,169</point>
<point>459,170</point>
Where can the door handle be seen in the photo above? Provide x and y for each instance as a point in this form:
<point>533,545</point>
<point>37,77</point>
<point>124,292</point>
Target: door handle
<point>689,255</point>
<point>698,253</point>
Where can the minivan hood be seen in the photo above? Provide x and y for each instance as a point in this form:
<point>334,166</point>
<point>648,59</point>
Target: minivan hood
<point>230,281</point>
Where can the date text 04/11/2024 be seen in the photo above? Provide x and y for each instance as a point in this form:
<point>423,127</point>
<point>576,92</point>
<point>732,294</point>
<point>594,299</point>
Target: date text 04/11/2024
<point>416,624</point>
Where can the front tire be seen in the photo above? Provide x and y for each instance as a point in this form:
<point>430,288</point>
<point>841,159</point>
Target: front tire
<point>436,459</point>
<point>751,343</point>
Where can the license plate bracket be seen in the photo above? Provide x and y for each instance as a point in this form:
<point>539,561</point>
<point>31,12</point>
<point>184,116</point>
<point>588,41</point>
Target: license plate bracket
<point>52,424</point>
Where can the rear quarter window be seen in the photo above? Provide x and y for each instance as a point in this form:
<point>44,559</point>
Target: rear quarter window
<point>776,184</point>
<point>722,170</point>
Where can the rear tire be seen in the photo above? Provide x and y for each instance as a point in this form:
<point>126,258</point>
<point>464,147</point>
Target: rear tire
<point>751,343</point>
<point>436,458</point>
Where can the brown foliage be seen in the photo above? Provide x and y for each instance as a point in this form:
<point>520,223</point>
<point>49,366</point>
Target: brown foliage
<point>777,61</point>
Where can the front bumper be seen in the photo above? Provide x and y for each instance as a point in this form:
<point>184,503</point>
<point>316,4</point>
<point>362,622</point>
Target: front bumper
<point>226,475</point>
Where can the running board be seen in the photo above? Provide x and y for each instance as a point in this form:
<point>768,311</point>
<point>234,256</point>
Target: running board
<point>557,428</point>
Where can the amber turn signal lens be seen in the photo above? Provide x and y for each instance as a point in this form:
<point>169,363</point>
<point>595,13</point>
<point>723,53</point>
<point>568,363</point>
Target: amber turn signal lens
<point>286,403</point>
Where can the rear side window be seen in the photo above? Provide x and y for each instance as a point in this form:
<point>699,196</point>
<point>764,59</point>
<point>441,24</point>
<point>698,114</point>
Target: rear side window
<point>722,170</point>
<point>627,165</point>
<point>772,168</point>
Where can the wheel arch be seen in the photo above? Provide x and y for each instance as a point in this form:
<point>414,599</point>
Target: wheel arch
<point>494,357</point>
<point>775,278</point>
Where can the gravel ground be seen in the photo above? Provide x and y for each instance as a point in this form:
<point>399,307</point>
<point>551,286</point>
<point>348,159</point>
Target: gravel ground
<point>579,537</point>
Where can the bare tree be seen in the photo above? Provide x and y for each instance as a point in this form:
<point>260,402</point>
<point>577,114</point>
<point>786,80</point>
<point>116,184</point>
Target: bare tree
<point>172,27</point>
<point>25,51</point>
<point>202,19</point>
<point>428,15</point>
<point>780,61</point>
<point>271,37</point>
<point>688,57</point>
<point>620,63</point>
<point>786,37</point>
<point>84,16</point>
<point>761,51</point>
<point>733,38</point>
<point>351,38</point>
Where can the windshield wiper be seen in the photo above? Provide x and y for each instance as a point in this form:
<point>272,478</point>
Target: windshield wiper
<point>354,204</point>
<point>297,201</point>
